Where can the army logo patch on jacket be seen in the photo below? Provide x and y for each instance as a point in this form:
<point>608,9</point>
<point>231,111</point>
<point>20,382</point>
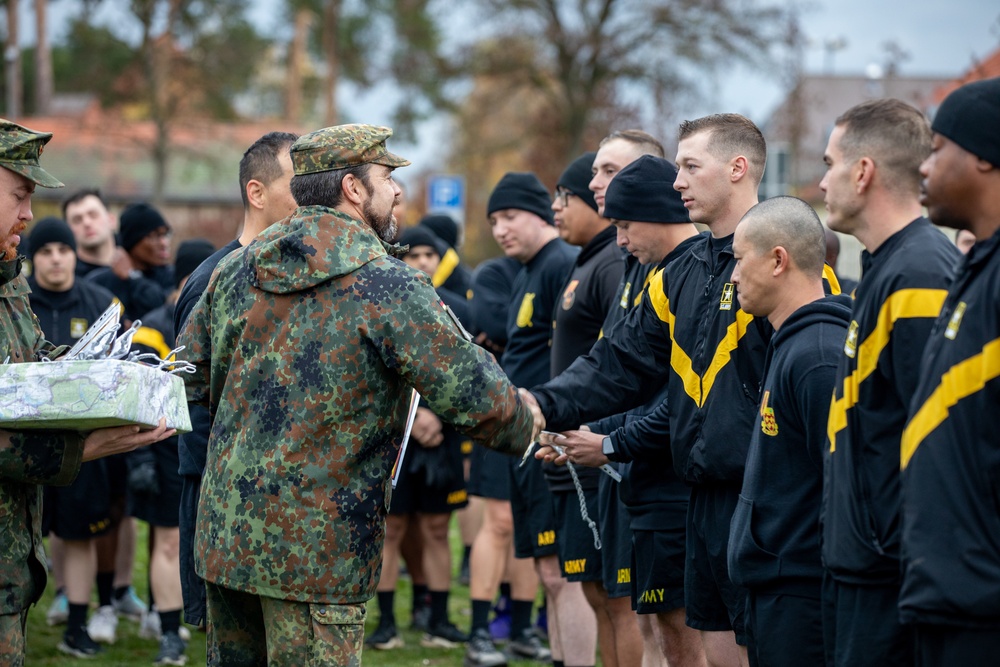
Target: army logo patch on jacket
<point>726,302</point>
<point>526,311</point>
<point>77,327</point>
<point>569,296</point>
<point>955,322</point>
<point>851,344</point>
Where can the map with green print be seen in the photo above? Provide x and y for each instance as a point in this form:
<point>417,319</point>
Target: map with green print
<point>87,395</point>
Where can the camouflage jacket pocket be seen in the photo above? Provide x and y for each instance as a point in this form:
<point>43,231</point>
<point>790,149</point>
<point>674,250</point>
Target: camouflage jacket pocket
<point>338,614</point>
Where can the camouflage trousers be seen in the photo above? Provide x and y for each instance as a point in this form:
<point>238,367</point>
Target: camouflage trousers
<point>12,631</point>
<point>245,629</point>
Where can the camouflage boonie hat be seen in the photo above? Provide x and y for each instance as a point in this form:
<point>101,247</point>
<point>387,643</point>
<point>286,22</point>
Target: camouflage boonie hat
<point>343,146</point>
<point>19,151</point>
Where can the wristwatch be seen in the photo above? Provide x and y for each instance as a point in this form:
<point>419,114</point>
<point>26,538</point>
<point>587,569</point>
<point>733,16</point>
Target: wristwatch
<point>607,448</point>
<point>134,274</point>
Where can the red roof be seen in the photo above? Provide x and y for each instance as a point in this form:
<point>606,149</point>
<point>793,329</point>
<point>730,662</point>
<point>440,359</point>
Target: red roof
<point>984,69</point>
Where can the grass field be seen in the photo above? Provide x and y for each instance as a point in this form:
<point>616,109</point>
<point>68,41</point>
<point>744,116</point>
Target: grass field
<point>130,649</point>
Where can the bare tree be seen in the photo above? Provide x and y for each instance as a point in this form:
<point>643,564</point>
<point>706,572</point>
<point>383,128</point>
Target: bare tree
<point>12,61</point>
<point>43,60</point>
<point>586,55</point>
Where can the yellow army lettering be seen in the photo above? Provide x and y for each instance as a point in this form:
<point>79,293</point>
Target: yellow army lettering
<point>578,566</point>
<point>625,575</point>
<point>546,538</point>
<point>456,497</point>
<point>652,595</point>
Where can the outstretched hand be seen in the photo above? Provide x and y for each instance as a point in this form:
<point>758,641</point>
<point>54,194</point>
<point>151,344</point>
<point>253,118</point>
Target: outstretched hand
<point>536,413</point>
<point>119,439</point>
<point>580,447</point>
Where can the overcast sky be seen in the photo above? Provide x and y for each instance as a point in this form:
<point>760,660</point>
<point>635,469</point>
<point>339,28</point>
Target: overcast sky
<point>937,41</point>
<point>939,38</point>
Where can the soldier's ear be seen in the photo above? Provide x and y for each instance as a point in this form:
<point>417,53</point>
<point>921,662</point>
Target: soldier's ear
<point>780,259</point>
<point>354,189</point>
<point>255,193</point>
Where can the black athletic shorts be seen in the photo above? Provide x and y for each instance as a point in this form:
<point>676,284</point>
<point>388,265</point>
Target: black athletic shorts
<point>489,475</point>
<point>658,558</point>
<point>432,481</point>
<point>82,510</point>
<point>117,475</point>
<point>713,603</point>
<point>163,508</point>
<point>616,538</point>
<point>956,645</point>
<point>578,555</point>
<point>861,625</point>
<point>784,628</point>
<point>531,505</point>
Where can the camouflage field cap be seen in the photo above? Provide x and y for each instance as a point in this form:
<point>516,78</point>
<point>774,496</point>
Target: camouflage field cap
<point>19,151</point>
<point>343,146</point>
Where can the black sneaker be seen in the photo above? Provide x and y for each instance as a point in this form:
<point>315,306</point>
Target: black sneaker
<point>480,651</point>
<point>172,649</point>
<point>444,635</point>
<point>421,618</point>
<point>385,638</point>
<point>79,644</point>
<point>527,646</point>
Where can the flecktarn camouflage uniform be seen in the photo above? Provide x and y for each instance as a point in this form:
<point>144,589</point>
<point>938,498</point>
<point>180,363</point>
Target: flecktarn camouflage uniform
<point>30,458</point>
<point>307,343</point>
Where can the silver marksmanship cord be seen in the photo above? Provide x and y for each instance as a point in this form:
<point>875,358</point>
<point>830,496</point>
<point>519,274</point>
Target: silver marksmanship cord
<point>611,472</point>
<point>583,502</point>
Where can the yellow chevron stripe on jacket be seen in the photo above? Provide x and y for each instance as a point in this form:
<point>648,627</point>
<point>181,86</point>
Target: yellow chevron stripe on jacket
<point>695,386</point>
<point>960,381</point>
<point>904,303</point>
<point>831,278</point>
<point>151,338</point>
<point>445,267</point>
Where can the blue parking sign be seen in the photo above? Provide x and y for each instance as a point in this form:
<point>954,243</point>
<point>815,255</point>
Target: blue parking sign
<point>446,194</point>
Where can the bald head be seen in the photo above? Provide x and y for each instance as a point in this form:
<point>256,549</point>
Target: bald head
<point>792,224</point>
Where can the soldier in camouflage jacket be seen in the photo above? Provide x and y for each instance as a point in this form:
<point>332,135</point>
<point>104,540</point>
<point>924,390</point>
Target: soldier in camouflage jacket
<point>31,458</point>
<point>307,343</point>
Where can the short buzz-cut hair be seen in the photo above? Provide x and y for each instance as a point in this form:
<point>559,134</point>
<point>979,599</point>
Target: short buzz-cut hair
<point>324,188</point>
<point>792,224</point>
<point>79,196</point>
<point>643,141</point>
<point>895,135</point>
<point>260,161</point>
<point>731,135</point>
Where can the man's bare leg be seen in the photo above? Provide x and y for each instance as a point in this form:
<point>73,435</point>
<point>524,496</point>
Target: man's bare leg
<point>652,644</point>
<point>721,649</point>
<point>125,553</point>
<point>597,598</point>
<point>572,624</point>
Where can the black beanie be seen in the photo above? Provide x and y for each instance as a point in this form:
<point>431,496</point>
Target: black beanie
<point>577,178</point>
<point>190,254</point>
<point>970,116</point>
<point>523,191</point>
<point>443,227</point>
<point>643,191</point>
<point>414,236</point>
<point>137,222</point>
<point>50,230</point>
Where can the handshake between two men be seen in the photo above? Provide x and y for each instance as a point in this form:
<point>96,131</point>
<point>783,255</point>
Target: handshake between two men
<point>580,447</point>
